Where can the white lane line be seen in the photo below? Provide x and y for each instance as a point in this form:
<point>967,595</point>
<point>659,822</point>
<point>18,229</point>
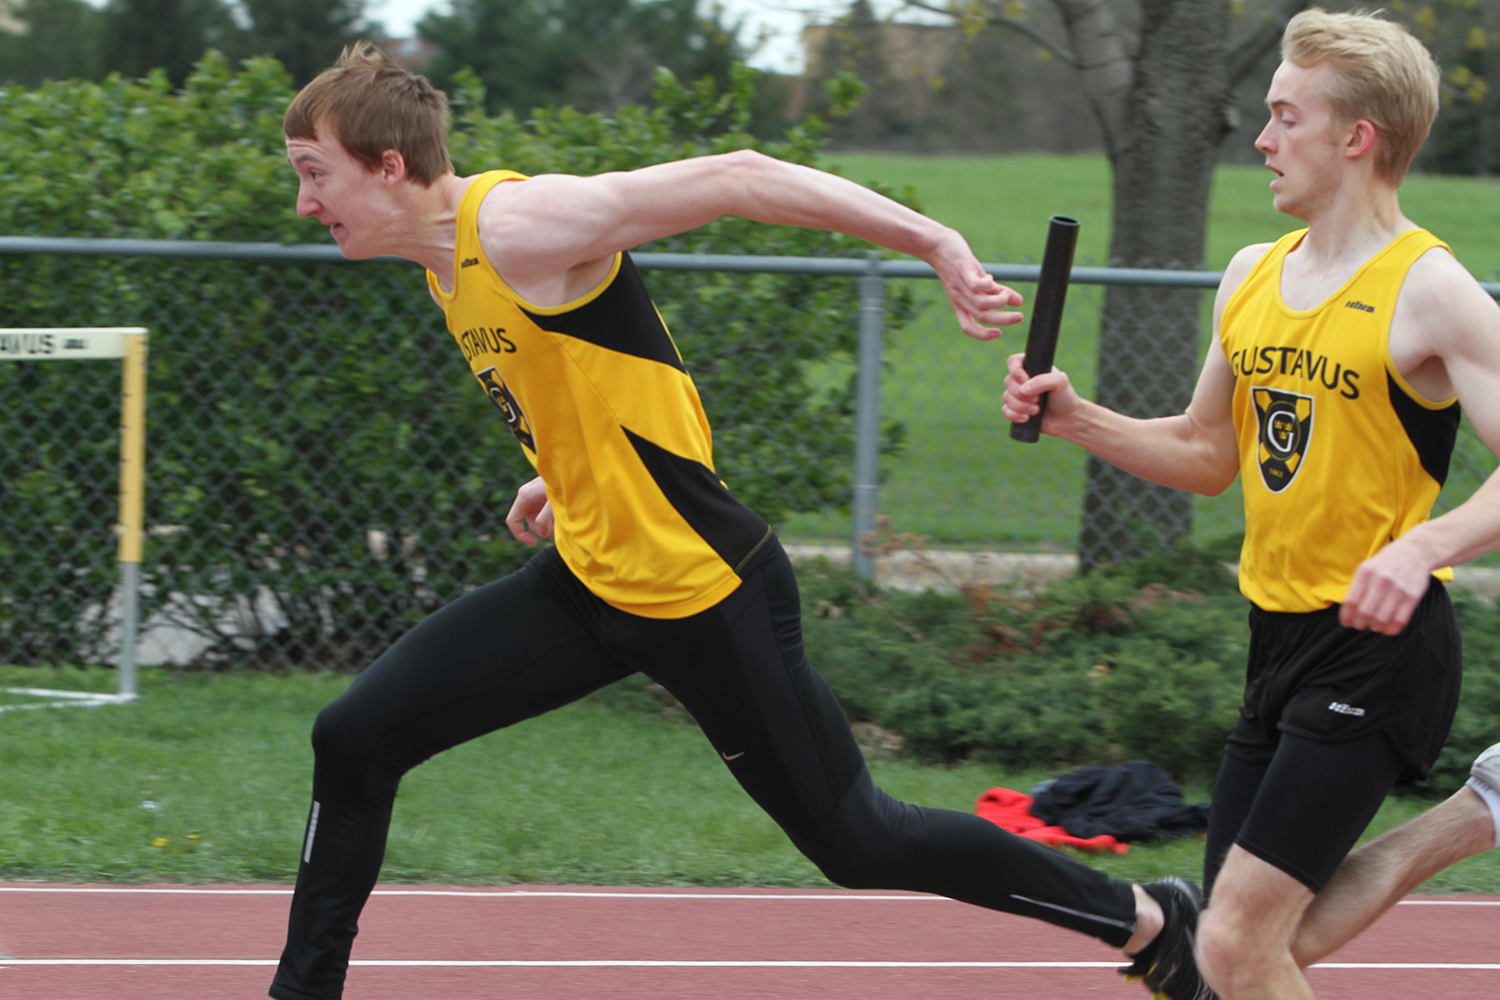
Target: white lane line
<point>132,890</point>
<point>568,894</point>
<point>667,964</point>
<point>1439,966</point>
<point>585,963</point>
<point>451,893</point>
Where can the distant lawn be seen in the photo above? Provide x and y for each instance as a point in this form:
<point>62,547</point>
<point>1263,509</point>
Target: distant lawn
<point>207,778</point>
<point>960,480</point>
<point>1001,203</point>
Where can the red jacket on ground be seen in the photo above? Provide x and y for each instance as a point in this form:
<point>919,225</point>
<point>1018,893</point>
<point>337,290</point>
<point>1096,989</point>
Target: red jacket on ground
<point>1010,810</point>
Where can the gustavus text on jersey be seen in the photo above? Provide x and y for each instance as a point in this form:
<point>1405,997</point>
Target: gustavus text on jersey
<point>478,339</point>
<point>1296,361</point>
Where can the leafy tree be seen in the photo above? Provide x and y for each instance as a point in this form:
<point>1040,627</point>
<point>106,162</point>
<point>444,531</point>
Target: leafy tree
<point>1462,34</point>
<point>60,41</point>
<point>169,35</point>
<point>854,45</point>
<point>513,48</point>
<point>305,36</point>
<point>70,39</point>
<point>597,55</point>
<point>937,88</point>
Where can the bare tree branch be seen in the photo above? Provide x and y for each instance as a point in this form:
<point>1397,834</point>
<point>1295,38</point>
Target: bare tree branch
<point>1057,50</point>
<point>1248,51</point>
<point>1002,21</point>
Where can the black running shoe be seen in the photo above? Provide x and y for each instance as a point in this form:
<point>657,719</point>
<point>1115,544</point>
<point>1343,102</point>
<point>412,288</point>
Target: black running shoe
<point>1167,965</point>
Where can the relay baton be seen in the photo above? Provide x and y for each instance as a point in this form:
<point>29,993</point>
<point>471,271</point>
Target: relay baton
<point>1046,315</point>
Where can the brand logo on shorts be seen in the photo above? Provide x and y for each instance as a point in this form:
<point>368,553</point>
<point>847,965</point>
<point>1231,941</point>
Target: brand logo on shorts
<point>1343,709</point>
<point>1285,427</point>
<point>469,262</point>
<point>500,393</point>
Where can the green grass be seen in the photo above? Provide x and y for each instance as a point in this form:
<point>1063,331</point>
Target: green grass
<point>960,480</point>
<point>1001,203</point>
<point>596,793</point>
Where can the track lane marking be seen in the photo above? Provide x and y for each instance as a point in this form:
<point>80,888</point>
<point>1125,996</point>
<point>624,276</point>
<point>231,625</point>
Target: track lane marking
<point>513,894</point>
<point>581,894</point>
<point>688,964</point>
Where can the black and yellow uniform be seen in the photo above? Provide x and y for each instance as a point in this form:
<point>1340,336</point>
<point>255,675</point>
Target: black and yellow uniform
<point>646,536</point>
<point>1339,456</point>
<point>598,396</point>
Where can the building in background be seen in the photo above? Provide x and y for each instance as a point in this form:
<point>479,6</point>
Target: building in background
<point>414,54</point>
<point>934,89</point>
<point>9,23</point>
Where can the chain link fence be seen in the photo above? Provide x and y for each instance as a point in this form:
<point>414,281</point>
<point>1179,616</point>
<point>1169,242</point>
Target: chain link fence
<point>322,471</point>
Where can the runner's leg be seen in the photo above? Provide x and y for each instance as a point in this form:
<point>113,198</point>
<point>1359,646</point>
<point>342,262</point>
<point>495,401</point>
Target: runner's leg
<point>1314,802</point>
<point>1234,791</point>
<point>1374,878</point>
<point>740,669</point>
<point>502,653</point>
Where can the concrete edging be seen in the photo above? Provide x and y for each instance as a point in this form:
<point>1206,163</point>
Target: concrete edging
<point>948,570</point>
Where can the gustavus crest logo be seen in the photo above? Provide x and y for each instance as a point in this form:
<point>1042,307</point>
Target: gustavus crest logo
<point>498,391</point>
<point>1285,420</point>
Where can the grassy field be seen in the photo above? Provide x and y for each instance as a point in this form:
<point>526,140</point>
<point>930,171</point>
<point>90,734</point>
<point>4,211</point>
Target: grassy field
<point>207,779</point>
<point>1001,203</point>
<point>960,480</point>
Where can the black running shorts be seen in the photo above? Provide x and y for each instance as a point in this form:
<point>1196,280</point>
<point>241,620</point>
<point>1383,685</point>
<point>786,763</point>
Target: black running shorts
<point>1311,676</point>
<point>1332,718</point>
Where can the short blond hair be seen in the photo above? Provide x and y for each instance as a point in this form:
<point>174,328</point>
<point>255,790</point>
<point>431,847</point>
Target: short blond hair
<point>1382,73</point>
<point>372,104</point>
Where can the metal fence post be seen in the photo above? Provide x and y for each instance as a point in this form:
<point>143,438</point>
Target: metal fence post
<point>867,415</point>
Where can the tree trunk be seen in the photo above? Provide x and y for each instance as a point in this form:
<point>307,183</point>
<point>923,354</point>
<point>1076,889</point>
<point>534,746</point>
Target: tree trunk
<point>1163,135</point>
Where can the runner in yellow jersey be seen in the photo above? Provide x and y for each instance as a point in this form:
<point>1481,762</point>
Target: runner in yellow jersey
<point>1332,389</point>
<point>656,567</point>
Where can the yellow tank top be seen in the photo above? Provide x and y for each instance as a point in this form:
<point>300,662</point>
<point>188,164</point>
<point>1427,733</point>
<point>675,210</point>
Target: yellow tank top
<point>1338,454</point>
<point>597,394</point>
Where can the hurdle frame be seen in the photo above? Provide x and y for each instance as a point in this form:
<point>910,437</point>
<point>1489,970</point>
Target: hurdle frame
<point>129,344</point>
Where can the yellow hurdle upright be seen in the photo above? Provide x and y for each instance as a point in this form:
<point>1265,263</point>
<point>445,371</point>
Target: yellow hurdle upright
<point>132,499</point>
<point>129,344</point>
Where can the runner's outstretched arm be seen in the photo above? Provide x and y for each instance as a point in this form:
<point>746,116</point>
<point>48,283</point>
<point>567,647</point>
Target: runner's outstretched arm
<point>537,231</point>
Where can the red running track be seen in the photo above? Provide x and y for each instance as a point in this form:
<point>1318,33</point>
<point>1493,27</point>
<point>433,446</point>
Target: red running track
<point>72,942</point>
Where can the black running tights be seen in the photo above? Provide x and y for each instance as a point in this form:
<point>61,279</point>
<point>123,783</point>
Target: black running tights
<point>537,640</point>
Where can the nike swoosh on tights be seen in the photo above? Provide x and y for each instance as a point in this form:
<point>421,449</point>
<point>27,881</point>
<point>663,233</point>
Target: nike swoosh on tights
<point>731,756</point>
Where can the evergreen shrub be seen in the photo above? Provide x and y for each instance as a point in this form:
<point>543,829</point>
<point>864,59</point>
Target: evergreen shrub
<point>1141,661</point>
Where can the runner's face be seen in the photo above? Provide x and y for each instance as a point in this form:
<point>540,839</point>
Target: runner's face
<point>338,191</point>
<point>1304,141</point>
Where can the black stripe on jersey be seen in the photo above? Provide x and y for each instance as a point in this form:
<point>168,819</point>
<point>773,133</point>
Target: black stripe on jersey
<point>1432,432</point>
<point>621,318</point>
<point>730,528</point>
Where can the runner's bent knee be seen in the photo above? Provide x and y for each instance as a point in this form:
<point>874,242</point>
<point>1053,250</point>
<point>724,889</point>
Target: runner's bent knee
<point>344,744</point>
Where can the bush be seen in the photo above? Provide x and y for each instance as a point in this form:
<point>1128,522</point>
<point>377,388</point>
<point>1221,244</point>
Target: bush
<point>1142,661</point>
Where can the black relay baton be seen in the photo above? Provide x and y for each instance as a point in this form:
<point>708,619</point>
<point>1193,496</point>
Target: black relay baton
<point>1046,315</point>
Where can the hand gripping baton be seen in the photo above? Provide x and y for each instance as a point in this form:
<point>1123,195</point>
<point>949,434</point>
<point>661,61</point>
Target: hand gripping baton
<point>1046,314</point>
